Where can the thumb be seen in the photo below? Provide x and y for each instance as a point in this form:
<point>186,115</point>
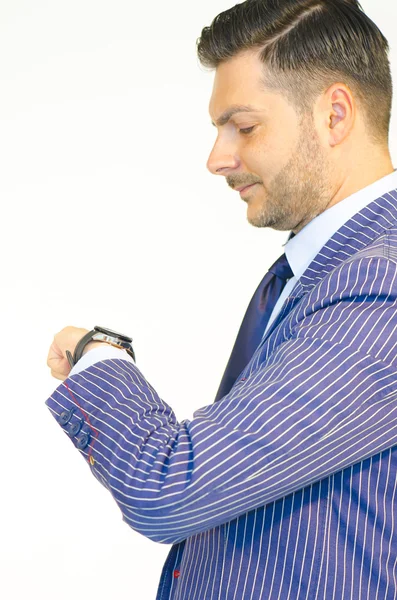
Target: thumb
<point>57,362</point>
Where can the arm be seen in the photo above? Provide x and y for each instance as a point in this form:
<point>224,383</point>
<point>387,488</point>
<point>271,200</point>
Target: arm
<point>322,400</point>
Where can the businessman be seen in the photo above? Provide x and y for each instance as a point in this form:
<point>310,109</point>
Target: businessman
<point>284,487</point>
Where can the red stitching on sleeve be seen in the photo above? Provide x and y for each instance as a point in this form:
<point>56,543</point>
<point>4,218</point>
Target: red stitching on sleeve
<point>96,432</point>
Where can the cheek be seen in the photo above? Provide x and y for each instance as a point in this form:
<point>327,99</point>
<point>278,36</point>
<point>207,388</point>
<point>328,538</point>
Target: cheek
<point>279,146</point>
<point>277,154</point>
<point>263,158</point>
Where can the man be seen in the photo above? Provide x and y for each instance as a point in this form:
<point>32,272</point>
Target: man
<point>285,486</point>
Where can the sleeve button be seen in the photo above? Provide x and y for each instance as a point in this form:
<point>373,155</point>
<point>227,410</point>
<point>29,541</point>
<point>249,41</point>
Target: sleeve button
<point>74,428</point>
<point>83,440</point>
<point>65,416</point>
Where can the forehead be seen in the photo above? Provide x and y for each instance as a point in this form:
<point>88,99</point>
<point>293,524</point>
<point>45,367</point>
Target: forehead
<point>239,81</point>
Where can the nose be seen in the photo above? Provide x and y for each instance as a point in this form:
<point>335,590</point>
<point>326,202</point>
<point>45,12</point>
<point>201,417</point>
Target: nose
<point>222,159</point>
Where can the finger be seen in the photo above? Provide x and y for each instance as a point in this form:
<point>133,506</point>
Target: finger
<point>53,354</point>
<point>57,375</point>
<point>55,363</point>
<point>60,367</point>
<point>55,349</point>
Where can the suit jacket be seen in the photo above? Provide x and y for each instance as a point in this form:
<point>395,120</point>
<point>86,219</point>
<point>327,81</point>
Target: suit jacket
<point>286,487</point>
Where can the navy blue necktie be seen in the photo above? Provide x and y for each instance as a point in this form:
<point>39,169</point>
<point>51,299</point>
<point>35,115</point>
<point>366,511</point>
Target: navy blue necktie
<point>254,323</point>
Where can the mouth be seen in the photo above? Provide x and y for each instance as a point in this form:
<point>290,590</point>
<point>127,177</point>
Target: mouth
<point>246,188</point>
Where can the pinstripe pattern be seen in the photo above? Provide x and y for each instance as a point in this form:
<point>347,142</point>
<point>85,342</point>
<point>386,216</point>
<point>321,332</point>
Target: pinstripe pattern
<point>284,489</point>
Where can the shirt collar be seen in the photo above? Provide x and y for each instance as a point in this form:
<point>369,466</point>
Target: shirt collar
<point>302,248</point>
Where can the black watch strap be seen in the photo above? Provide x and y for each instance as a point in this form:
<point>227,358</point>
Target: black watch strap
<point>123,342</point>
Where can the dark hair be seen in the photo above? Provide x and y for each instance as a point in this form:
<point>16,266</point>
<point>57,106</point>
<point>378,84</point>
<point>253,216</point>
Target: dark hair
<point>307,45</point>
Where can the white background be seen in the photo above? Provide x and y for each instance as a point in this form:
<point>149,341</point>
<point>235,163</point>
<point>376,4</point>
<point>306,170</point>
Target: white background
<point>109,217</point>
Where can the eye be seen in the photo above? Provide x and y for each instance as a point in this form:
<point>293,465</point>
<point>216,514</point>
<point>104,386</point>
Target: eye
<point>247,130</point>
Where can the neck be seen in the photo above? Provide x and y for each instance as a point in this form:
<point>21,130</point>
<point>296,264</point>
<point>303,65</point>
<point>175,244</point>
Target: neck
<point>363,175</point>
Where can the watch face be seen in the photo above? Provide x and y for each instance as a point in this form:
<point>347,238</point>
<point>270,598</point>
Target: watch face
<point>125,338</point>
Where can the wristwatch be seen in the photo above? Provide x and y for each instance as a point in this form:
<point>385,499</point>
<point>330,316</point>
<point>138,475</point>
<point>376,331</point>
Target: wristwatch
<point>101,334</point>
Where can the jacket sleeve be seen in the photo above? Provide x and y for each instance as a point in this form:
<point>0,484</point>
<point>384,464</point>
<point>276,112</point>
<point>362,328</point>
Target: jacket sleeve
<point>323,398</point>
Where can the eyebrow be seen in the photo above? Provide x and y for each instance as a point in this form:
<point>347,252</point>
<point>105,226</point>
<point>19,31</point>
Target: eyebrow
<point>226,116</point>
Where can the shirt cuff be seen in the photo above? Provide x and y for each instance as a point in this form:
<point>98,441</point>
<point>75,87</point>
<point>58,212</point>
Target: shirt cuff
<point>99,353</point>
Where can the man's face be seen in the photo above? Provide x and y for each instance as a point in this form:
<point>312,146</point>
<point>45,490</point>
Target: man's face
<point>268,147</point>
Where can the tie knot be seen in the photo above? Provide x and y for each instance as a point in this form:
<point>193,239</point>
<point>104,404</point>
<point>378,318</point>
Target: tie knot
<point>281,268</point>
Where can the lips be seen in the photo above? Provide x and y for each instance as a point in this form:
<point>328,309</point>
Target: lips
<point>241,189</point>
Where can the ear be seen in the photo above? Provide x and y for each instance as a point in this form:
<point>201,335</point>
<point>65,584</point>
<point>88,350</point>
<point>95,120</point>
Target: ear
<point>342,113</point>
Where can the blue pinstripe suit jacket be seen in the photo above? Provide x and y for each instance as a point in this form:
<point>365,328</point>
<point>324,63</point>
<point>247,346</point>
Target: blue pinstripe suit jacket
<point>285,488</point>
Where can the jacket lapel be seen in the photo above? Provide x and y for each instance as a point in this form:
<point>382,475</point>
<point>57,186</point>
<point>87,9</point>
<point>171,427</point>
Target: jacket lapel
<point>354,236</point>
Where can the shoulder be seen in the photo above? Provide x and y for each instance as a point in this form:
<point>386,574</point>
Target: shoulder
<point>355,304</point>
<point>384,246</point>
<point>369,273</point>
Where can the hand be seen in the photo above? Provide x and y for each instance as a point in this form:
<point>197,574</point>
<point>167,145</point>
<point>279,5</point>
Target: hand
<point>67,339</point>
